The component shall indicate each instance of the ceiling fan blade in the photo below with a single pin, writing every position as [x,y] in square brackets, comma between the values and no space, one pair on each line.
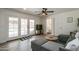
[39,14]
[50,11]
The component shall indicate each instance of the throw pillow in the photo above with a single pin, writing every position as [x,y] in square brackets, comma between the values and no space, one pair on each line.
[73,45]
[70,39]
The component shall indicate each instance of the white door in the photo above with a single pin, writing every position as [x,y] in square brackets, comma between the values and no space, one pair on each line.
[31,26]
[24,26]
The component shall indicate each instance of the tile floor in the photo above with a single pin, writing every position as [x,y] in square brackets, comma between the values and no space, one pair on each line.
[18,45]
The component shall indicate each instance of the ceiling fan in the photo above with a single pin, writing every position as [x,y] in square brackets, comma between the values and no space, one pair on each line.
[45,12]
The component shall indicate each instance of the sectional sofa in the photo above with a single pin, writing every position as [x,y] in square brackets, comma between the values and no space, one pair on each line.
[55,45]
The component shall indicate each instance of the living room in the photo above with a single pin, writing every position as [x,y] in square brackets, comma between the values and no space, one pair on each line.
[20,24]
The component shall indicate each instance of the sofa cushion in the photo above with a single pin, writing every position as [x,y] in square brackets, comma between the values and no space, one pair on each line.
[63,38]
[39,41]
[36,44]
[70,39]
[63,49]
[52,46]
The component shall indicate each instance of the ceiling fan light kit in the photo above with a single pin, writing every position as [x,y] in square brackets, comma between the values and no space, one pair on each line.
[43,14]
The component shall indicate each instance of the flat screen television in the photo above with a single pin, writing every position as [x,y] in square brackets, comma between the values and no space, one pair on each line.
[38,27]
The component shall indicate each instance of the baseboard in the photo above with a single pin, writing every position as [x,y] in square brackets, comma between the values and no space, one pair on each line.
[7,41]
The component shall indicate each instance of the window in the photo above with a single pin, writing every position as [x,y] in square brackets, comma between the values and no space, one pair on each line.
[31,27]
[13,26]
[23,26]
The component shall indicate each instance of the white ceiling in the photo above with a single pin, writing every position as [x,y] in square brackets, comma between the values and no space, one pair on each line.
[36,11]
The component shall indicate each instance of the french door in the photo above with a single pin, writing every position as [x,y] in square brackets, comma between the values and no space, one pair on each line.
[24,26]
[49,25]
[31,26]
[21,27]
[27,26]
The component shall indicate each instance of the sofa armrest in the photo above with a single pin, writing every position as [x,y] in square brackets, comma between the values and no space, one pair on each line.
[63,49]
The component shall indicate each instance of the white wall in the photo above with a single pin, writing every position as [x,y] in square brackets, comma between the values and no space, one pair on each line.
[43,21]
[60,25]
[4,14]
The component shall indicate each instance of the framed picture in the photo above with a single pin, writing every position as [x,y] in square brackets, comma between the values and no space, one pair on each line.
[69,19]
